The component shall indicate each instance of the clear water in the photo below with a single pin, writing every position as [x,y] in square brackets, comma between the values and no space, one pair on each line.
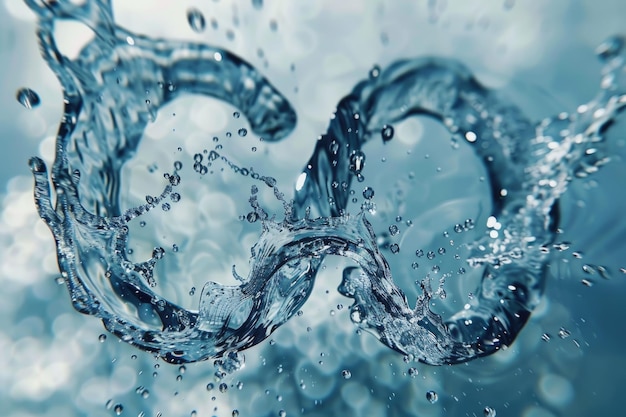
[506,247]
[529,166]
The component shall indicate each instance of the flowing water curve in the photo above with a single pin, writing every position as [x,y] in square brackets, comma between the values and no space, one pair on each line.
[529,167]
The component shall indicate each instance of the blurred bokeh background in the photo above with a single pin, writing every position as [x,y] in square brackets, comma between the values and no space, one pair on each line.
[569,359]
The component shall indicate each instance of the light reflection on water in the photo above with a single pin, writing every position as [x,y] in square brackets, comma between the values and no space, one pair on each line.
[55,356]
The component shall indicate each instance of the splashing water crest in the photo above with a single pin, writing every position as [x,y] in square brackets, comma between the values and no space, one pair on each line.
[529,167]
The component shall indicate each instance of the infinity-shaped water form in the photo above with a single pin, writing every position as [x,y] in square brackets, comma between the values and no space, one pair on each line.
[529,167]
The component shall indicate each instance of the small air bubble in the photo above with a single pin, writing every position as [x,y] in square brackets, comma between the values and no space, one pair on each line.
[118,408]
[430,255]
[223,387]
[346,374]
[394,230]
[395,248]
[102,338]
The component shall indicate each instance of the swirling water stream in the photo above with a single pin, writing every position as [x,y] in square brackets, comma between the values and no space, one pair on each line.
[528,165]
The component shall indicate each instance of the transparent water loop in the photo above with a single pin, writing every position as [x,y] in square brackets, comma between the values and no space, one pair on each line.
[106,111]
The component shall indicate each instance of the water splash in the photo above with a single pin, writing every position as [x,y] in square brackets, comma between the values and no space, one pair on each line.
[106,111]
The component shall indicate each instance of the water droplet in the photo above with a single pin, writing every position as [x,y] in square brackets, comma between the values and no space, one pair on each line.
[118,408]
[282,413]
[395,248]
[158,253]
[357,162]
[610,48]
[242,132]
[419,253]
[508,4]
[210,386]
[196,20]
[223,387]
[235,413]
[28,98]
[393,229]
[175,197]
[564,333]
[368,193]
[102,338]
[430,255]
[489,412]
[346,374]
[178,165]
[413,372]
[387,133]
[374,72]
[432,397]
[415,265]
